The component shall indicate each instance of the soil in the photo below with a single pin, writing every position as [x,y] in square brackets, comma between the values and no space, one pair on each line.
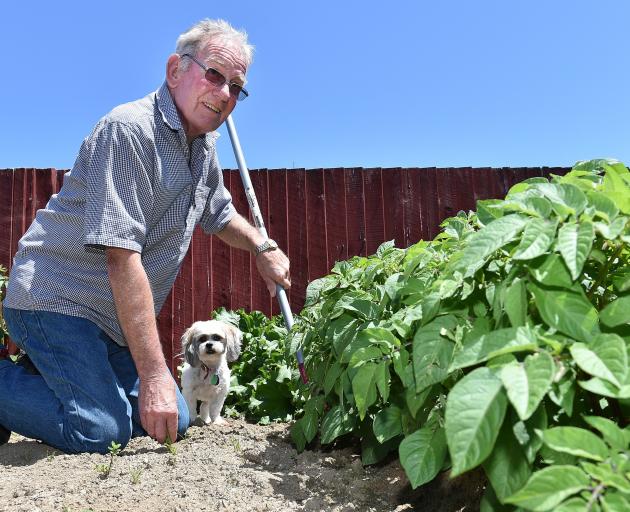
[234,467]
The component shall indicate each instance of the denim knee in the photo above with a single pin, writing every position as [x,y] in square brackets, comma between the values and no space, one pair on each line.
[97,434]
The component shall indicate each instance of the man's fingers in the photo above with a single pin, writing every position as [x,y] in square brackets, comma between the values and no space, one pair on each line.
[171,425]
[160,431]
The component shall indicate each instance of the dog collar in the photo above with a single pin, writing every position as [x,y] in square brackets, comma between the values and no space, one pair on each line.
[214,380]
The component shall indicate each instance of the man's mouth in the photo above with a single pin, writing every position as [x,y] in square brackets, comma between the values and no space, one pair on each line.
[212,107]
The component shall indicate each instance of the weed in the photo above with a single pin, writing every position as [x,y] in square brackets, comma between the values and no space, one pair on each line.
[106,469]
[135,475]
[172,450]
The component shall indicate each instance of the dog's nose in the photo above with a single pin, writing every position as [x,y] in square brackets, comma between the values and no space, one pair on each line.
[209,348]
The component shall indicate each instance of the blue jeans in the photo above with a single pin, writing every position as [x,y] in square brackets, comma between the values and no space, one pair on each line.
[87,393]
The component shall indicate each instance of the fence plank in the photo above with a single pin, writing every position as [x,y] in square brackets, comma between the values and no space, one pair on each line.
[6,217]
[278,222]
[373,209]
[355,212]
[429,203]
[412,209]
[297,243]
[241,265]
[201,248]
[316,224]
[394,192]
[336,227]
[261,300]
[221,266]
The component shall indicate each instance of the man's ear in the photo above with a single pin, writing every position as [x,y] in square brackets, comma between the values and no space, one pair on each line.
[173,70]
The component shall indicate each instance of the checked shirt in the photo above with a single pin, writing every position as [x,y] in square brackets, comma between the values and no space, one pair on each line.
[136,184]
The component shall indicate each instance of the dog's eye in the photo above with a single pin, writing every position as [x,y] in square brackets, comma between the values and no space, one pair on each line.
[203,338]
[216,337]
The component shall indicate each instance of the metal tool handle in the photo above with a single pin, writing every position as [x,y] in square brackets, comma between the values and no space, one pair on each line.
[258,222]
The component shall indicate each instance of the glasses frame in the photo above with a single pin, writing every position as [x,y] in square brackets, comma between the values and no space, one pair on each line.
[242,92]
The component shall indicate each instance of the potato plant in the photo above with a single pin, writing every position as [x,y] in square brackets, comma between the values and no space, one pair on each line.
[265,383]
[502,343]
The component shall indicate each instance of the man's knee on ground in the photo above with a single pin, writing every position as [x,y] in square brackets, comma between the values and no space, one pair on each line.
[97,437]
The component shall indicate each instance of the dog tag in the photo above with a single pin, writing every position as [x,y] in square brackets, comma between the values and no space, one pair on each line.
[214,380]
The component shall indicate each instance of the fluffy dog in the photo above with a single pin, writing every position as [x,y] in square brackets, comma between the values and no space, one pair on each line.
[208,347]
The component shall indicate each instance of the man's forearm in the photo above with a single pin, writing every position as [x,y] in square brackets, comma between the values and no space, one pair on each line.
[135,309]
[241,234]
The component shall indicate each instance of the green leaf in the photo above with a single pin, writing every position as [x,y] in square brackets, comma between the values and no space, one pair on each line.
[382,379]
[507,467]
[364,388]
[605,388]
[572,505]
[615,503]
[482,244]
[422,455]
[387,423]
[604,206]
[567,311]
[493,344]
[606,475]
[432,352]
[527,383]
[613,435]
[606,357]
[549,487]
[309,423]
[575,241]
[332,375]
[475,409]
[536,240]
[565,199]
[617,312]
[575,441]
[337,422]
[552,272]
[363,355]
[515,303]
[621,280]
[616,189]
[415,400]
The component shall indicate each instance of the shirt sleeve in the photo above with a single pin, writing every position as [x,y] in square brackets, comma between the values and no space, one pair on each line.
[119,195]
[219,209]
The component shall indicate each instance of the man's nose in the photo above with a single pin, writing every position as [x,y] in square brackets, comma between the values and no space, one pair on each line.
[222,91]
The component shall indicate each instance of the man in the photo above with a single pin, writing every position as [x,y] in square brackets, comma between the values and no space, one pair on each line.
[93,270]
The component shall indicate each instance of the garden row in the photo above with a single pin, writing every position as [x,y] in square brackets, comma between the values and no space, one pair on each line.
[502,343]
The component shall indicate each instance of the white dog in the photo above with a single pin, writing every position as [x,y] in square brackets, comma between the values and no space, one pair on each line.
[208,347]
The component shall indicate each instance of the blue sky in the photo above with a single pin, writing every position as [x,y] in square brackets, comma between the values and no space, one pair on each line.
[338,83]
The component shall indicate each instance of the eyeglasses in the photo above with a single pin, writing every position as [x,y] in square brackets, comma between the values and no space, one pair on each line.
[217,79]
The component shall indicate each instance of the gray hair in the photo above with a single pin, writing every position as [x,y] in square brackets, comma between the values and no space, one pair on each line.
[200,33]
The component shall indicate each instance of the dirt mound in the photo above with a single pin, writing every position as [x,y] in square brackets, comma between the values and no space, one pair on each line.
[235,467]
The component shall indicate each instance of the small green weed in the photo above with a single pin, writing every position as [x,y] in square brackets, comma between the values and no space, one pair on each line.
[105,469]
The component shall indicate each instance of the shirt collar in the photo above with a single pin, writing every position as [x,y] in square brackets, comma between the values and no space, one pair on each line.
[170,116]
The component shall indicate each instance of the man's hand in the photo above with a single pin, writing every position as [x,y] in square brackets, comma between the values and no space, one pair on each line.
[274,269]
[157,402]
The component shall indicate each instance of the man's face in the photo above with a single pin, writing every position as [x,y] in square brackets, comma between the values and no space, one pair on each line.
[203,106]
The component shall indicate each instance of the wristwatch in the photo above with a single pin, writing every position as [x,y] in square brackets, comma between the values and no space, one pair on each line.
[267,245]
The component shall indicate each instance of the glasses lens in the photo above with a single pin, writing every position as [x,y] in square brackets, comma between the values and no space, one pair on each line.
[238,91]
[214,77]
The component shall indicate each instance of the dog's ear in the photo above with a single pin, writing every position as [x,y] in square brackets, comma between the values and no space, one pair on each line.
[234,337]
[189,348]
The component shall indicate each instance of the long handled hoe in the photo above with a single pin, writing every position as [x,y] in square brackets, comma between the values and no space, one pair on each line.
[258,222]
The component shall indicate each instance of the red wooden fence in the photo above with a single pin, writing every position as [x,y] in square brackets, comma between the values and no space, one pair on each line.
[318,216]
